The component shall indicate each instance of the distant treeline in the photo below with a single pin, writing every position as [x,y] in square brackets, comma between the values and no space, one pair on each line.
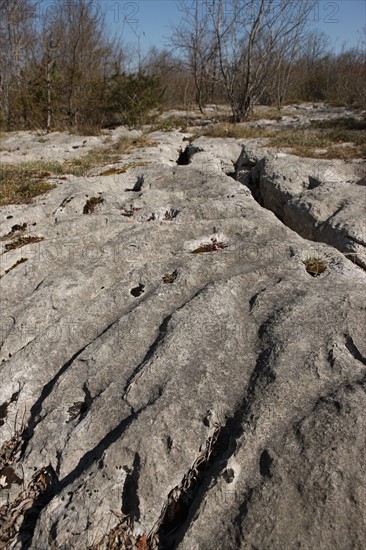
[62,68]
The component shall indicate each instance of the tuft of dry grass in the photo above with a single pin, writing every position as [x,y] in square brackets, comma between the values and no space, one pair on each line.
[210,247]
[22,241]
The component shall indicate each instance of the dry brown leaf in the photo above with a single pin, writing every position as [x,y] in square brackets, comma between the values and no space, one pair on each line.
[42,479]
[142,543]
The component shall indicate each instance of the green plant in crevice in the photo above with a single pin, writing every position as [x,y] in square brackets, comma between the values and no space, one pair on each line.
[314,266]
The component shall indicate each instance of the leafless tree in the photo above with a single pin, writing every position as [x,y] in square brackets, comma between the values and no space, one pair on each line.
[239,43]
[194,35]
[315,47]
[255,36]
[77,53]
[16,40]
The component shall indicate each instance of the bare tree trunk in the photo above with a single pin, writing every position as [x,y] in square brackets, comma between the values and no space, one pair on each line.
[50,64]
[194,37]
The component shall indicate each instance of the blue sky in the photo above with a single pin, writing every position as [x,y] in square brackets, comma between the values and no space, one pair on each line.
[343,20]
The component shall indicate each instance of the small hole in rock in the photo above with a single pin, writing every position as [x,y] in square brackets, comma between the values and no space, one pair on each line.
[184,157]
[228,475]
[265,463]
[137,290]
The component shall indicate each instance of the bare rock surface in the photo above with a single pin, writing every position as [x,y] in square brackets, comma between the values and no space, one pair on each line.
[172,376]
[322,200]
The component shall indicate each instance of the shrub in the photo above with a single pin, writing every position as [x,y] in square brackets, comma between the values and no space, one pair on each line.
[131,97]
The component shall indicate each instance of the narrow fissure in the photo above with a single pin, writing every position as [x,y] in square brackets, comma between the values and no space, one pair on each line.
[184,500]
[250,176]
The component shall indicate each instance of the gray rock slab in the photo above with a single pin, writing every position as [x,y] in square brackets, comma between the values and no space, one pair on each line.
[168,357]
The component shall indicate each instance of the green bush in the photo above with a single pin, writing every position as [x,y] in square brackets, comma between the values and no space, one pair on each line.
[315,88]
[132,96]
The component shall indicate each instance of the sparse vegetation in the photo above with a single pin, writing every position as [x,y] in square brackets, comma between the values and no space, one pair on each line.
[341,123]
[101,156]
[237,131]
[315,266]
[269,113]
[20,183]
[170,123]
[341,138]
[322,143]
